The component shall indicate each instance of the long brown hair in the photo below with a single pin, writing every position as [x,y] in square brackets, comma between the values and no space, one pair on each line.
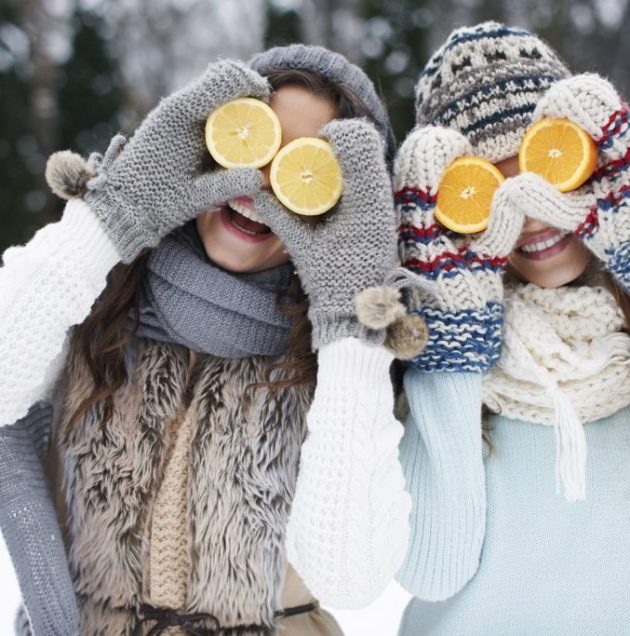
[102,338]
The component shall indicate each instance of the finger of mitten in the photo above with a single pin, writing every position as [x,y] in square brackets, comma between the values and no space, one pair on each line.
[219,186]
[418,169]
[591,102]
[358,146]
[286,225]
[221,82]
[367,188]
[424,156]
[504,228]
[539,200]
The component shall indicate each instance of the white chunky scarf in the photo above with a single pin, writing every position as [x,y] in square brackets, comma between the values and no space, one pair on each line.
[564,362]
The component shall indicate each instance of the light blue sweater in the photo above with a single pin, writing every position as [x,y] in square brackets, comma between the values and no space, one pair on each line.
[493,546]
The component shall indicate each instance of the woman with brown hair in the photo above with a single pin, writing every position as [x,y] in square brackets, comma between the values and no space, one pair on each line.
[171,415]
[529,534]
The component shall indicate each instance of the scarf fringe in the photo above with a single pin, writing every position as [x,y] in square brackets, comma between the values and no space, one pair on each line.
[571,450]
[565,350]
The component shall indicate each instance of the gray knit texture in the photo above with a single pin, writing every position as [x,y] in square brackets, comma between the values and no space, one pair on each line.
[31,529]
[485,82]
[189,300]
[155,183]
[351,249]
[336,69]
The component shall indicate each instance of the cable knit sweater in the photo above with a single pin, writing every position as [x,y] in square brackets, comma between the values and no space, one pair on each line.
[349,523]
[494,549]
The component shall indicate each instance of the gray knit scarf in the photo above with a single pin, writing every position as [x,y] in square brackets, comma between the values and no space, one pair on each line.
[188,300]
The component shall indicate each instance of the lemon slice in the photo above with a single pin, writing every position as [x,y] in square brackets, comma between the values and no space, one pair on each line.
[306,177]
[559,151]
[465,194]
[244,132]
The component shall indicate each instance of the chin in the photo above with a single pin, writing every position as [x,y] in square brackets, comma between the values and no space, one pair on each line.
[235,252]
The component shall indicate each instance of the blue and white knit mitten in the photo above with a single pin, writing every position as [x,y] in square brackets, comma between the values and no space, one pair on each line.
[598,212]
[465,316]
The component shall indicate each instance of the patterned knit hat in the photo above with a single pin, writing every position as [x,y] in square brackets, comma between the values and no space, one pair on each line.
[485,82]
[335,68]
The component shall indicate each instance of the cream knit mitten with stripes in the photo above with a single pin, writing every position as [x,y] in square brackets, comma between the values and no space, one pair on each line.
[465,317]
[598,212]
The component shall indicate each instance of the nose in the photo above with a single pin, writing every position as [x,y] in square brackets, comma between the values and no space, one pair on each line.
[533,225]
[266,172]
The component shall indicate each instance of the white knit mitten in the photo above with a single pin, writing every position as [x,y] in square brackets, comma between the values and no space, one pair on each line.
[465,317]
[598,211]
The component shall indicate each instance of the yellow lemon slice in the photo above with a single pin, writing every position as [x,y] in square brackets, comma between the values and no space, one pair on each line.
[465,194]
[559,151]
[306,177]
[243,132]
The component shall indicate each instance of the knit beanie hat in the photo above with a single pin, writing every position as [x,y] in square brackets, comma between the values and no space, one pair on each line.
[485,82]
[335,68]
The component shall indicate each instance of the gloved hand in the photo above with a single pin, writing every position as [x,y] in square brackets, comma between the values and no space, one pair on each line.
[352,249]
[465,315]
[597,212]
[154,184]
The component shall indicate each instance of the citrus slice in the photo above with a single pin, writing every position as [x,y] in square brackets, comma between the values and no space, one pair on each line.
[306,177]
[465,194]
[243,132]
[559,151]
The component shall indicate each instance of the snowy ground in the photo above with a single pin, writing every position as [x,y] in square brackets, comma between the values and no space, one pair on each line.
[379,619]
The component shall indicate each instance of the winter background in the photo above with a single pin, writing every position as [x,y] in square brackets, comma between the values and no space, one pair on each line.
[74,72]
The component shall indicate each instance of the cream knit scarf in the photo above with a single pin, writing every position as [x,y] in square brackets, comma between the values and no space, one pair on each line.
[564,362]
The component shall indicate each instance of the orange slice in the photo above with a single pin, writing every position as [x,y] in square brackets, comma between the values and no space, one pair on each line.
[306,177]
[559,151]
[465,194]
[243,132]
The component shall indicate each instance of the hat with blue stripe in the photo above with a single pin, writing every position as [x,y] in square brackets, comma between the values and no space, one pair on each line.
[484,82]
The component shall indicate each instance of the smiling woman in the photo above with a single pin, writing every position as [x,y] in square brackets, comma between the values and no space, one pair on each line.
[529,534]
[173,366]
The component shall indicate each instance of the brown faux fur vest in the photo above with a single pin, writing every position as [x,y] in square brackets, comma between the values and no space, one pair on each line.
[242,473]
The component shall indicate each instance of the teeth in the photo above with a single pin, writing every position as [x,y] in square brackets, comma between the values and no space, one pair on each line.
[542,245]
[245,211]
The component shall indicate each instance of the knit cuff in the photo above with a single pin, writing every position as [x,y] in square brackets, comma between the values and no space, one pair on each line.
[120,224]
[349,361]
[330,325]
[467,340]
[91,238]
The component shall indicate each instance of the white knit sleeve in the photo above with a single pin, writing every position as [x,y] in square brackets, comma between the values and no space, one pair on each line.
[46,286]
[349,523]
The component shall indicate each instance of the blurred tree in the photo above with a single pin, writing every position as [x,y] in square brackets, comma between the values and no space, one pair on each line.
[88,87]
[284,24]
[163,45]
[20,196]
[60,94]
[395,48]
[335,24]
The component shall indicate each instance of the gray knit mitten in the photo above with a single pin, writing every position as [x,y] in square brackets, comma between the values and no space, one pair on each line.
[465,314]
[31,529]
[154,185]
[352,249]
[597,212]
